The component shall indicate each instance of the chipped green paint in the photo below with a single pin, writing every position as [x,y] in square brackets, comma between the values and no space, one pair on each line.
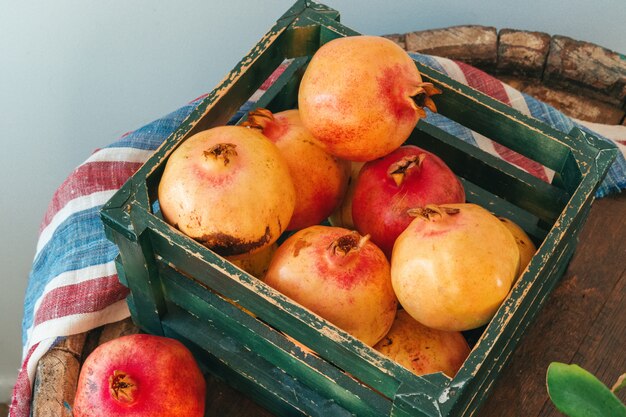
[182,289]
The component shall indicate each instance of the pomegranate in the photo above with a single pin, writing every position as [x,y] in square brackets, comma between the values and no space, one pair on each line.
[339,275]
[361,96]
[453,266]
[140,375]
[527,248]
[387,187]
[423,350]
[255,263]
[342,216]
[229,188]
[320,179]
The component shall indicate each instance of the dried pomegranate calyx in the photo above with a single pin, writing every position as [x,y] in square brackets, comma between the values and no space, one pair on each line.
[122,387]
[258,119]
[223,151]
[348,242]
[431,211]
[421,98]
[398,170]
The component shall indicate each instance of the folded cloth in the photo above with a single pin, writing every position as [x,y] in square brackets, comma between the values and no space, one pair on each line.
[73,285]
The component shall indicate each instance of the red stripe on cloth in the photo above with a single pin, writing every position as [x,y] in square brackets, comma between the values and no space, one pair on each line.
[492,87]
[87,179]
[200,97]
[84,297]
[273,76]
[22,393]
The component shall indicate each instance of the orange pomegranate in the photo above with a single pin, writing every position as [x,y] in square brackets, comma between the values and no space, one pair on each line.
[339,275]
[361,97]
[525,244]
[342,216]
[320,179]
[423,350]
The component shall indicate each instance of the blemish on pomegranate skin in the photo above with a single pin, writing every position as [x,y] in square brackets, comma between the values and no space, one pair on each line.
[432,233]
[390,91]
[299,245]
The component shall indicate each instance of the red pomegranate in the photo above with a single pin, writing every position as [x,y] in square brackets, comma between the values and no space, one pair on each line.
[388,187]
[140,375]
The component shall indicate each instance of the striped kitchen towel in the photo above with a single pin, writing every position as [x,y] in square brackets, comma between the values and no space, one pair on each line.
[73,285]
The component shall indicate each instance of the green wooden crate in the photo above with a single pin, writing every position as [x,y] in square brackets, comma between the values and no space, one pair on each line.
[181,289]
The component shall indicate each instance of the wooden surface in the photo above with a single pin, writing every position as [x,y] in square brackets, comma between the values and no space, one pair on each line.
[582,322]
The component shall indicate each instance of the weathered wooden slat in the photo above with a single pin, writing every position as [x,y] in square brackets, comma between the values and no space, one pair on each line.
[140,274]
[584,80]
[495,175]
[250,333]
[497,121]
[398,38]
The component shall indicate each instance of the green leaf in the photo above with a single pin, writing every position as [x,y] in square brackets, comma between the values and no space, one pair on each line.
[577,393]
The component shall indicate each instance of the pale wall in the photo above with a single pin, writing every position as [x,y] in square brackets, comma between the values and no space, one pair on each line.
[75,75]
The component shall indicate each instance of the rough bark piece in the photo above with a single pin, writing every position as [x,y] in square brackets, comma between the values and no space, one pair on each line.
[522,52]
[398,38]
[56,378]
[475,45]
[570,103]
[114,330]
[582,64]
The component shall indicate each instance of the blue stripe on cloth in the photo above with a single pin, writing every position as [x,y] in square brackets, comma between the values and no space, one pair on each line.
[428,61]
[77,243]
[450,126]
[150,136]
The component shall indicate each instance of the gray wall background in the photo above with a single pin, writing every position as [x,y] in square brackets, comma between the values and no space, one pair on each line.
[75,75]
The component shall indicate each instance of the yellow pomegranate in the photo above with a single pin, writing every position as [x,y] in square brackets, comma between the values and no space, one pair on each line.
[453,266]
[423,350]
[229,188]
[256,263]
[527,248]
[361,97]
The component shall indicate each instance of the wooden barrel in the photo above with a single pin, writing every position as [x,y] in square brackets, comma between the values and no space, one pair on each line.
[583,80]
